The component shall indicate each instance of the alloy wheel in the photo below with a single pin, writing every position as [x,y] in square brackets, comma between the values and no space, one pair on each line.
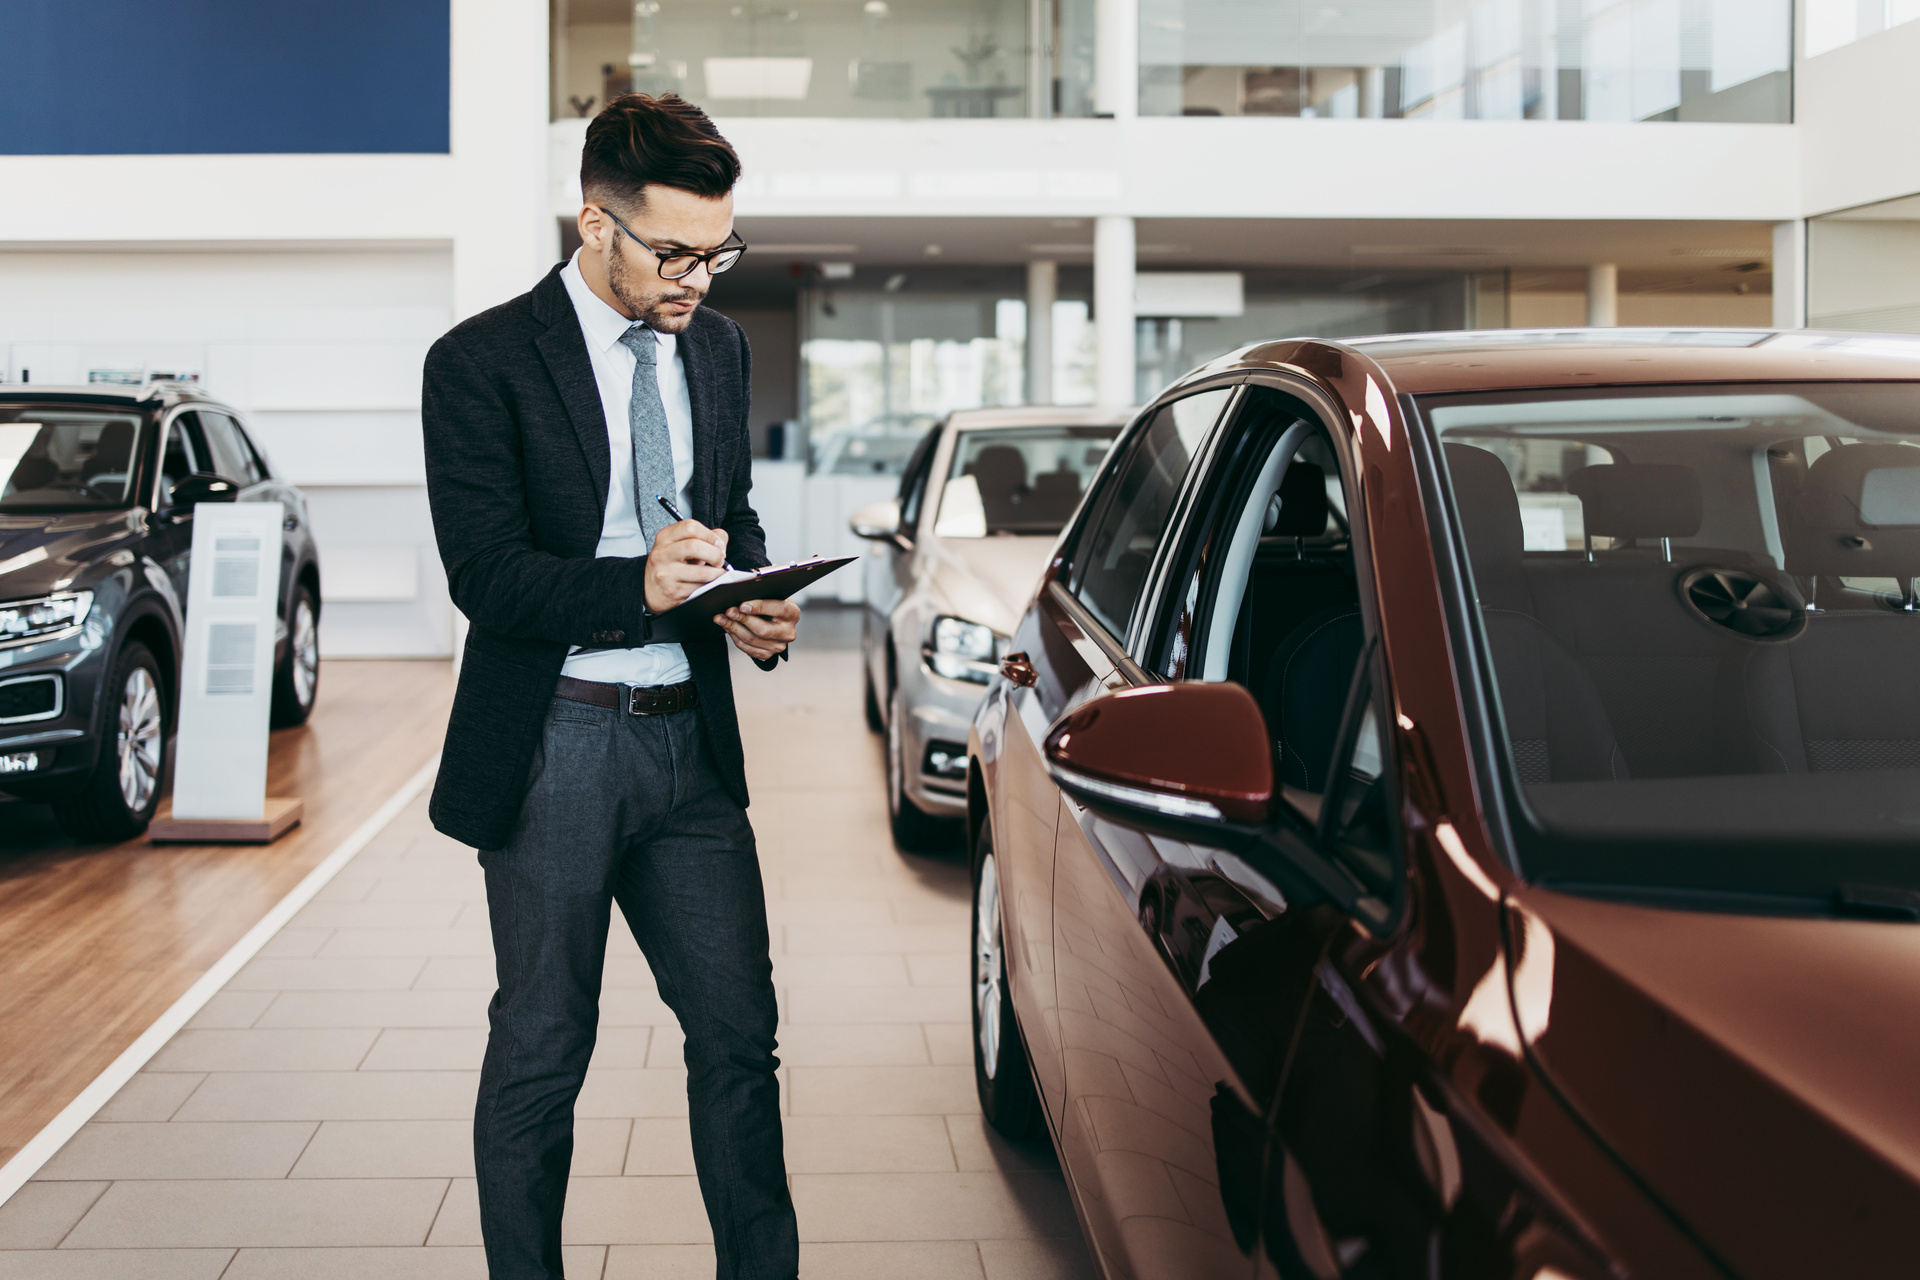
[306,652]
[986,965]
[138,741]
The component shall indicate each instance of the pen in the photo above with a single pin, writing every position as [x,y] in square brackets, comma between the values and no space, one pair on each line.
[674,511]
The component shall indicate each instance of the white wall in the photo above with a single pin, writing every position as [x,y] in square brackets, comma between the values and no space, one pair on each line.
[320,350]
[1858,116]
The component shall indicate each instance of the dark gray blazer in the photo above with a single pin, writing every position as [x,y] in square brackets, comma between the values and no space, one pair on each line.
[517,473]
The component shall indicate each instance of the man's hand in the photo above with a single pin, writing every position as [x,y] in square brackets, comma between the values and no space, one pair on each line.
[685,555]
[761,628]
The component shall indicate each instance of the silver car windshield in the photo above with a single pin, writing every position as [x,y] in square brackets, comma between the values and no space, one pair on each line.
[1699,606]
[1019,480]
[66,457]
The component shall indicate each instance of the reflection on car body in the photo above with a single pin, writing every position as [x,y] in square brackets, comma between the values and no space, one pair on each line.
[1436,791]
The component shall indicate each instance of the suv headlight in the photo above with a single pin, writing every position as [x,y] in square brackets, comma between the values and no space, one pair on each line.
[29,619]
[962,650]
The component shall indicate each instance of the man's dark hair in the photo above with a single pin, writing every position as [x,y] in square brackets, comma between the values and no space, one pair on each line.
[641,139]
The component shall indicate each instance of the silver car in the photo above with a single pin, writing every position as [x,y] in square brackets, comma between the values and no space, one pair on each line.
[952,566]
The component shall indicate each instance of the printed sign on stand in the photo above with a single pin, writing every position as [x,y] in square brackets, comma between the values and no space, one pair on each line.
[226,681]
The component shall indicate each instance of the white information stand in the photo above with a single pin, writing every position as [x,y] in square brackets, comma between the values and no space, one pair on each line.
[226,681]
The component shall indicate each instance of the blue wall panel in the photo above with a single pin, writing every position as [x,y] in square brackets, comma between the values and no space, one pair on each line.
[171,77]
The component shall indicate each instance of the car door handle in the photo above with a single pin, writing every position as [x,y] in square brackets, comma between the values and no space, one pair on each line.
[1018,670]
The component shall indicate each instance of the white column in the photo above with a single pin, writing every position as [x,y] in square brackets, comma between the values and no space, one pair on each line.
[1113,255]
[1373,92]
[1043,286]
[1603,295]
[504,235]
[1116,59]
[1790,274]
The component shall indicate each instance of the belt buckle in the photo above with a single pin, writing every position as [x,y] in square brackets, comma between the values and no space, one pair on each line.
[633,700]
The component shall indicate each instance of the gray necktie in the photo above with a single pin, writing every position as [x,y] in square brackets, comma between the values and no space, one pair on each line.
[652,445]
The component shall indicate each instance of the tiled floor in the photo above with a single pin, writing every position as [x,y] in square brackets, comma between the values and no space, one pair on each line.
[313,1121]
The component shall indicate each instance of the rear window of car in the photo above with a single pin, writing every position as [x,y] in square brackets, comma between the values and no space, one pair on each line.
[1698,606]
[65,457]
[1019,480]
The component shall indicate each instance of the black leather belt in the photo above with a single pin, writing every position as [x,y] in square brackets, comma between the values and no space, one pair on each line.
[634,699]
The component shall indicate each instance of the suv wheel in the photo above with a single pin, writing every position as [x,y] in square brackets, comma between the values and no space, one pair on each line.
[296,680]
[118,799]
[1000,1073]
[912,828]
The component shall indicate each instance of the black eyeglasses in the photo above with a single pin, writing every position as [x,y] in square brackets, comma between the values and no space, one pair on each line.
[677,264]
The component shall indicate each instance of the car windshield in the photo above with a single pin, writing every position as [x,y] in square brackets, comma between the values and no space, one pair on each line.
[64,457]
[1698,606]
[1019,480]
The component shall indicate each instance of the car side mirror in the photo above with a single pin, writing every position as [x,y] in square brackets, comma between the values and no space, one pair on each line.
[1190,759]
[190,491]
[877,521]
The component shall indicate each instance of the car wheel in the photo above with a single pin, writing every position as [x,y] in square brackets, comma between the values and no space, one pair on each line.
[1000,1073]
[296,681]
[118,798]
[912,828]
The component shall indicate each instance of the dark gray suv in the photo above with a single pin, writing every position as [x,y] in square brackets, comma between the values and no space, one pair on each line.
[96,530]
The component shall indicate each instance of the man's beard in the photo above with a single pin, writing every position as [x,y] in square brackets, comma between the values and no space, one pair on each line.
[650,308]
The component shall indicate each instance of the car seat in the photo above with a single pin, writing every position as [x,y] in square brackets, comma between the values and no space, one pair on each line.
[1844,693]
[1001,472]
[1557,725]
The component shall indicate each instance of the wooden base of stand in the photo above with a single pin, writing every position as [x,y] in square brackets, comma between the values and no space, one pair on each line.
[281,816]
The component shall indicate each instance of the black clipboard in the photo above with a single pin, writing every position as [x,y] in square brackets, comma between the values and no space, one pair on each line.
[775,582]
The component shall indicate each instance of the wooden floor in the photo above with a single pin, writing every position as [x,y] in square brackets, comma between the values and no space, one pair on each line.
[96,941]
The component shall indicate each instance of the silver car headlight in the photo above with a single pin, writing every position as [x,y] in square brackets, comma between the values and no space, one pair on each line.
[963,650]
[31,619]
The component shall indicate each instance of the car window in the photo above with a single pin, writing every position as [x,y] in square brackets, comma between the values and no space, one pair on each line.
[230,457]
[1268,596]
[1117,546]
[1019,480]
[55,456]
[1711,682]
[184,454]
[913,481]
[257,460]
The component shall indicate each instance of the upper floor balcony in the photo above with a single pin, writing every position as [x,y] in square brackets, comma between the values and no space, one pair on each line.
[1597,60]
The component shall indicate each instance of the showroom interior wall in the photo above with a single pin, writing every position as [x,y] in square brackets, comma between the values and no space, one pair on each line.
[309,198]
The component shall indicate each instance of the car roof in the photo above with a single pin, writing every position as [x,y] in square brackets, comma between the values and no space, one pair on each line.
[1039,416]
[1515,359]
[164,394]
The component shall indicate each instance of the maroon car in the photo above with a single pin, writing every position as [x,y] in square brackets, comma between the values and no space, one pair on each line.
[1453,809]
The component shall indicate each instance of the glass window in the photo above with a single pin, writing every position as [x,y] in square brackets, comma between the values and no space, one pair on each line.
[184,454]
[1721,697]
[66,456]
[1019,480]
[1116,548]
[1622,60]
[230,457]
[256,460]
[913,485]
[965,59]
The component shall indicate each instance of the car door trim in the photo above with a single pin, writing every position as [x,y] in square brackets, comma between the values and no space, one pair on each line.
[1112,650]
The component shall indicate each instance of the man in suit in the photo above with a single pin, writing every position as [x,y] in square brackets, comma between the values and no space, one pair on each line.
[587,765]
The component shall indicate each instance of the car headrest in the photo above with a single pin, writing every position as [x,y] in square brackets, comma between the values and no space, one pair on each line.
[1490,520]
[1638,499]
[113,451]
[1860,513]
[1000,469]
[1302,509]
